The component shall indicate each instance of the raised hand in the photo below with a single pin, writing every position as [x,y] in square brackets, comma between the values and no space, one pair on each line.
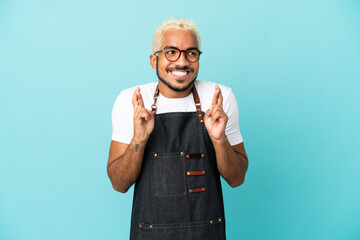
[144,119]
[215,118]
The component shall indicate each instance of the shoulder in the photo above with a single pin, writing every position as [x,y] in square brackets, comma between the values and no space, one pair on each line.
[147,92]
[145,89]
[206,90]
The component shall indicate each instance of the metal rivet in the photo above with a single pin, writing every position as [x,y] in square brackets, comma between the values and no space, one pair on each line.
[190,191]
[155,154]
[201,121]
[139,225]
[188,173]
[202,155]
[182,153]
[211,222]
[219,219]
[203,172]
[150,226]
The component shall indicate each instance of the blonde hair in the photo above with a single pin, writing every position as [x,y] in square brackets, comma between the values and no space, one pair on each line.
[174,23]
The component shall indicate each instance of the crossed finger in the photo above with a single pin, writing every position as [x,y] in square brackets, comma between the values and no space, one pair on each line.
[137,99]
[217,98]
[138,105]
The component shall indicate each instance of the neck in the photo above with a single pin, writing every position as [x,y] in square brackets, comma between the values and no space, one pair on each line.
[169,93]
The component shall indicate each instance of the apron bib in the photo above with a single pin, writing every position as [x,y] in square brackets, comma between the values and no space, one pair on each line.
[178,193]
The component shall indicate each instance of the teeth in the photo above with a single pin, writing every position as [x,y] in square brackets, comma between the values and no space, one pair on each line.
[179,73]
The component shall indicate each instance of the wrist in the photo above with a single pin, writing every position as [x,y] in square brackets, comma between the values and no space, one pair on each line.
[220,141]
[142,139]
[138,144]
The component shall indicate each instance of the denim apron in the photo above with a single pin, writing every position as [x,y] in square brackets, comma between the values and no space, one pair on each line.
[178,193]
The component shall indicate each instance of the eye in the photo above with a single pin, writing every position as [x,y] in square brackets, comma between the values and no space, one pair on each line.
[171,52]
[193,53]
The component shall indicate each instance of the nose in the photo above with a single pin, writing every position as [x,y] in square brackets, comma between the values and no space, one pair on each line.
[182,59]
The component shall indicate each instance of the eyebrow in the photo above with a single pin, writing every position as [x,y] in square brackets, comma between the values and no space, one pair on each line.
[179,49]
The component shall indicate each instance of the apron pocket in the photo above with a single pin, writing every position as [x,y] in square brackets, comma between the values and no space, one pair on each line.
[217,229]
[171,234]
[144,233]
[208,229]
[169,174]
[196,232]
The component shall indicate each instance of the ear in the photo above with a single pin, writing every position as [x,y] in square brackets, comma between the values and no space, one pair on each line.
[153,60]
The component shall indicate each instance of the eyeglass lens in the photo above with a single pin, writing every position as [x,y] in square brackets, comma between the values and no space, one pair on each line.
[173,54]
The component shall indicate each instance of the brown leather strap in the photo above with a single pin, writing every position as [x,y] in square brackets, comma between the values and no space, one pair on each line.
[196,100]
[195,173]
[195,190]
[195,155]
[156,95]
[197,104]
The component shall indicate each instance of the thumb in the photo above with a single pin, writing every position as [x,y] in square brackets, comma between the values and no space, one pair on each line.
[207,114]
[151,115]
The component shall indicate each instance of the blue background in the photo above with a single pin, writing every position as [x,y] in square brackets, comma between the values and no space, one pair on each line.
[293,66]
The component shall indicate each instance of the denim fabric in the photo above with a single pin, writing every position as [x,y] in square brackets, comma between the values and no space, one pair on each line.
[163,208]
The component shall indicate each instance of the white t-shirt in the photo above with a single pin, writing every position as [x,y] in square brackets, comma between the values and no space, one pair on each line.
[123,112]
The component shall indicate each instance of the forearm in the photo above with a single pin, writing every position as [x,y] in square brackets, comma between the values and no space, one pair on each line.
[124,170]
[231,165]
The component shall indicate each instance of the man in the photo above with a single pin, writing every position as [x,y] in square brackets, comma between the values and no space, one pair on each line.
[173,152]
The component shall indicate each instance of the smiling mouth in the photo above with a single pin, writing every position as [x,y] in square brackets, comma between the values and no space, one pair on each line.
[179,74]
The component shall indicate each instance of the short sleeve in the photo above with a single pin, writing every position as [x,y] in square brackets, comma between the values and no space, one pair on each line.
[232,130]
[122,115]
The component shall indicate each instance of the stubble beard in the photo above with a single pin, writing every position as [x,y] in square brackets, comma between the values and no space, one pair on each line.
[176,89]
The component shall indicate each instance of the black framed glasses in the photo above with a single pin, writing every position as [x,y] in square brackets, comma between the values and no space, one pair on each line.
[173,54]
